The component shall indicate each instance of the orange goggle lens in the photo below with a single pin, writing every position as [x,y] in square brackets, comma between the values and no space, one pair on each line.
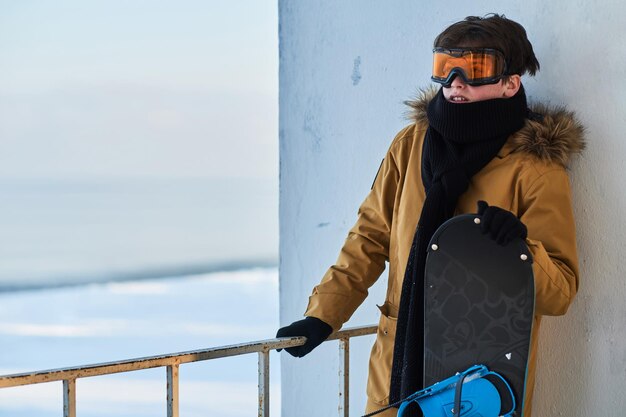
[475,66]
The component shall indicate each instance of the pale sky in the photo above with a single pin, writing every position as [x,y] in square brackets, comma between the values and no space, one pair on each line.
[138,88]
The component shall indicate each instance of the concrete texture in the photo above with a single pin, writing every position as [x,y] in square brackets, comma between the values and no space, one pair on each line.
[345,68]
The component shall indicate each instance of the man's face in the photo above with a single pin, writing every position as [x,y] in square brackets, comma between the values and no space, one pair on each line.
[460,92]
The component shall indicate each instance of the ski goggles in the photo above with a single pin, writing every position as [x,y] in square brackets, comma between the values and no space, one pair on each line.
[476,66]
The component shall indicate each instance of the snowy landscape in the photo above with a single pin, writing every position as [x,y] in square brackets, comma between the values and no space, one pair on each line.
[54,328]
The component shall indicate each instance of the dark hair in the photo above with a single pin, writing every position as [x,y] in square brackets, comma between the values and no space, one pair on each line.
[497,32]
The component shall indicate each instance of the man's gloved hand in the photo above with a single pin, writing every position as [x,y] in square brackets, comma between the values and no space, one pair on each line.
[314,329]
[500,224]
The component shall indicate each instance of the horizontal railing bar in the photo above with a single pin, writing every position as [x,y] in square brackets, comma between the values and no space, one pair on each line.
[352,332]
[149,362]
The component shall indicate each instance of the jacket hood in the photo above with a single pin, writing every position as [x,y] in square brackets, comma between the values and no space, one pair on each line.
[555,137]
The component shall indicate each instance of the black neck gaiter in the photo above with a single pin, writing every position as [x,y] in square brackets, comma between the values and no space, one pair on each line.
[461,139]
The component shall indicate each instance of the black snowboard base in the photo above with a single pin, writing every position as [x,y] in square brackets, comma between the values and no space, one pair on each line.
[478,305]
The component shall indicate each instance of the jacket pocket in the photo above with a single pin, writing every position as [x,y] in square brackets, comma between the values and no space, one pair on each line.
[381,357]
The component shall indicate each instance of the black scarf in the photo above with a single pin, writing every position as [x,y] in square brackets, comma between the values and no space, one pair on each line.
[461,139]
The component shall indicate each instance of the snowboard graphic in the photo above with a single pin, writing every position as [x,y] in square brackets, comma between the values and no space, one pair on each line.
[478,306]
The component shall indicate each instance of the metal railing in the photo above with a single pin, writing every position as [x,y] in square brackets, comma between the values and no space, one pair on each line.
[173,361]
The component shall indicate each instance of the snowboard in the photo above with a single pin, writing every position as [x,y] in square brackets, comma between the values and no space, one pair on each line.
[478,306]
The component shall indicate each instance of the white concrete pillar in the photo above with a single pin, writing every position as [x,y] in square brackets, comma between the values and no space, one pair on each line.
[345,68]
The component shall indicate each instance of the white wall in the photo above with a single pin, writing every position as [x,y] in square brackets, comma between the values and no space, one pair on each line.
[345,68]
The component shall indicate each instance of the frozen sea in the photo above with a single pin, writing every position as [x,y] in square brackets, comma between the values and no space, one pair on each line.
[58,232]
[101,322]
[97,270]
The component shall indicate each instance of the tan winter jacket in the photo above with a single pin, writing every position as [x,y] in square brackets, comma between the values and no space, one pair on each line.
[528,177]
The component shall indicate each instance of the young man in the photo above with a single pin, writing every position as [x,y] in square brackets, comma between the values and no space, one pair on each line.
[474,146]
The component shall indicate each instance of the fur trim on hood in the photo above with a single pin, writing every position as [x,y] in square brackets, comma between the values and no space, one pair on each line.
[556,138]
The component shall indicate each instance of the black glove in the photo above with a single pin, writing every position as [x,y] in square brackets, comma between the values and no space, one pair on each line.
[502,225]
[314,329]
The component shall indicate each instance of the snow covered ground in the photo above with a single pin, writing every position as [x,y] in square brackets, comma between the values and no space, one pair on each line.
[62,327]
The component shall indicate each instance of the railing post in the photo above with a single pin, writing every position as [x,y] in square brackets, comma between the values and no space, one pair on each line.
[172,390]
[344,377]
[69,398]
[264,383]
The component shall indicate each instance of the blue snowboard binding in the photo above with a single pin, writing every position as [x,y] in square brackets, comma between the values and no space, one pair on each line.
[467,394]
